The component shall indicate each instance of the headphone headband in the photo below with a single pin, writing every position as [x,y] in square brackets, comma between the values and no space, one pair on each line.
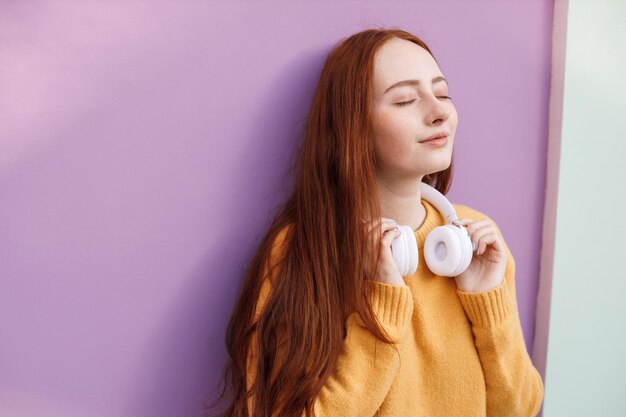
[441,203]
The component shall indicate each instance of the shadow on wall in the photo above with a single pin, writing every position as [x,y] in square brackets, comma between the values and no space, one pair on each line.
[186,359]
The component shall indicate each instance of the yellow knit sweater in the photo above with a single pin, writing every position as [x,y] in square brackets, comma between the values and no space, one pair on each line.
[461,354]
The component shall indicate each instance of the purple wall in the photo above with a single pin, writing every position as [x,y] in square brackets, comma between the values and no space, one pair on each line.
[142,150]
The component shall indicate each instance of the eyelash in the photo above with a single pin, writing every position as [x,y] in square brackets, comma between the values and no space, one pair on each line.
[404,103]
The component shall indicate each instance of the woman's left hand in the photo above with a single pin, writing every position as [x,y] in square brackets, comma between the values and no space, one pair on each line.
[486,270]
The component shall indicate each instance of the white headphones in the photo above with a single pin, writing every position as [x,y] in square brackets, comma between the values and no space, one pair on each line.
[447,248]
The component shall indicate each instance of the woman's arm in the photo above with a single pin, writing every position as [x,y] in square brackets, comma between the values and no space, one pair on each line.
[514,386]
[366,366]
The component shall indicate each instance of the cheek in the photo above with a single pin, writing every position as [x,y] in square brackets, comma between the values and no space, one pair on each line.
[391,137]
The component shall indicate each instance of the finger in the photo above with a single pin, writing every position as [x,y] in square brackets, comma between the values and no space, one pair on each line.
[458,221]
[484,242]
[387,224]
[479,229]
[472,224]
[470,227]
[382,221]
[492,239]
[468,220]
[496,242]
[377,233]
[477,235]
[390,236]
[462,220]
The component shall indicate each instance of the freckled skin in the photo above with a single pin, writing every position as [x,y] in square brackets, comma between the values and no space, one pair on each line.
[399,128]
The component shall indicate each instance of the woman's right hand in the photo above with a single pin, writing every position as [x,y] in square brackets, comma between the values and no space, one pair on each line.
[388,271]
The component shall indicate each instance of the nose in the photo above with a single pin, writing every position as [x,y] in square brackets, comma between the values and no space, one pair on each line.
[438,110]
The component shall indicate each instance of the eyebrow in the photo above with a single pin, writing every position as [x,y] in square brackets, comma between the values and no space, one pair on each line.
[414,82]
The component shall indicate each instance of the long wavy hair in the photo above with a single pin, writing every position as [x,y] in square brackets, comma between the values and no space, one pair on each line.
[324,261]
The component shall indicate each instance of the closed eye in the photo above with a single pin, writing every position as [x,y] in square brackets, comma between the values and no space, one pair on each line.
[404,103]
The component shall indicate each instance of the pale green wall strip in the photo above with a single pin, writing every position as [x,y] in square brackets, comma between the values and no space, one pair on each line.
[557,76]
[585,373]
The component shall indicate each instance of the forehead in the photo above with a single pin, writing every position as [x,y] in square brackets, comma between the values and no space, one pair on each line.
[399,59]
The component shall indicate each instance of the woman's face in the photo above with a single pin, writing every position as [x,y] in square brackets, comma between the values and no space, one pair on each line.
[408,113]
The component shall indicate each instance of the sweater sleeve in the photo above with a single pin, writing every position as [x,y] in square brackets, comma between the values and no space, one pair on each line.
[366,366]
[514,386]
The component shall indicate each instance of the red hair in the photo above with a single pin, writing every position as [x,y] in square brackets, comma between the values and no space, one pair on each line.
[322,267]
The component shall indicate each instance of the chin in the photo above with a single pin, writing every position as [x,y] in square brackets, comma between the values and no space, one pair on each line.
[438,166]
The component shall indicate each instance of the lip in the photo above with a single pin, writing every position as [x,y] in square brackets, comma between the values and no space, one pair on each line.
[435,136]
[439,142]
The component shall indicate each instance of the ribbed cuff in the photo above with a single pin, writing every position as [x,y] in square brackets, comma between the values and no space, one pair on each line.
[393,306]
[488,308]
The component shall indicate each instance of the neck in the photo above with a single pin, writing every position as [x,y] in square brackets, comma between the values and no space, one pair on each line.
[401,201]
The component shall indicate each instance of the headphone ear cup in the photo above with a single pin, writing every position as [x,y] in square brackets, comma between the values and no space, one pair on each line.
[404,251]
[467,251]
[448,250]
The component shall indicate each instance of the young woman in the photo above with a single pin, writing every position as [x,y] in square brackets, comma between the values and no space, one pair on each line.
[325,322]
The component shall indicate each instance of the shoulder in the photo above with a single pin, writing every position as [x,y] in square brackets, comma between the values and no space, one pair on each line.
[463,211]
